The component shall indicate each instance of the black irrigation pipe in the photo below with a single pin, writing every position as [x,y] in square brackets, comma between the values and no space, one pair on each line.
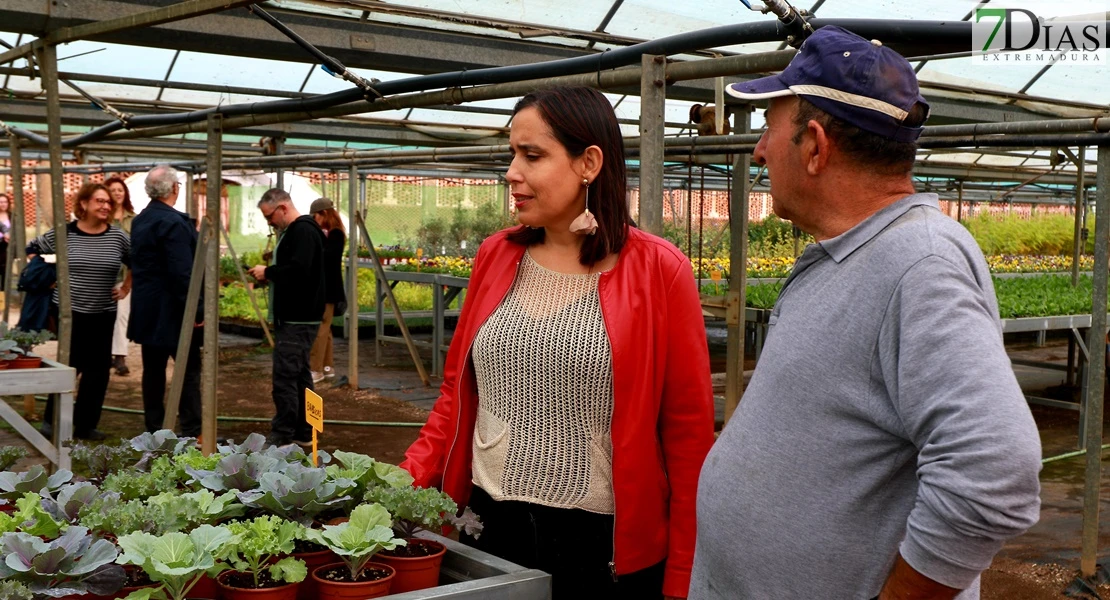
[910,36]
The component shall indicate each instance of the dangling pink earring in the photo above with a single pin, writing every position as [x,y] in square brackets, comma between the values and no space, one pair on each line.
[585,223]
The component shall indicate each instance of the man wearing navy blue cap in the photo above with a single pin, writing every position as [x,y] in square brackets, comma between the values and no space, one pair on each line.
[883,448]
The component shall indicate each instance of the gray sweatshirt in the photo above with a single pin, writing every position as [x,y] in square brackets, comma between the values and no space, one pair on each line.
[883,417]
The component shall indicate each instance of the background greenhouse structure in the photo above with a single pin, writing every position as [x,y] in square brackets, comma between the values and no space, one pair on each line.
[412,137]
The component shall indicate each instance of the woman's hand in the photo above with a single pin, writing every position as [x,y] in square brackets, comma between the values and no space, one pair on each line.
[121,292]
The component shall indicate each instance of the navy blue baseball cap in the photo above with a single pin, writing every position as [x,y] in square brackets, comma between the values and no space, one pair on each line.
[855,80]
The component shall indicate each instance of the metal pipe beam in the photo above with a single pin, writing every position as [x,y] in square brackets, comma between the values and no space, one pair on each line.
[159,83]
[625,77]
[210,357]
[653,105]
[1096,372]
[174,12]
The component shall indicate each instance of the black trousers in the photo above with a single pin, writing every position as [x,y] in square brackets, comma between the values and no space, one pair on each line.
[574,546]
[292,345]
[155,359]
[90,354]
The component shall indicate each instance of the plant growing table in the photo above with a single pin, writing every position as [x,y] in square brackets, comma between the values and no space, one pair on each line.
[51,378]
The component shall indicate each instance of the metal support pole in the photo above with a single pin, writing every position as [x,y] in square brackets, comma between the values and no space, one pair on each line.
[960,204]
[188,319]
[1096,373]
[653,102]
[352,283]
[17,243]
[191,196]
[48,61]
[279,149]
[208,371]
[1080,205]
[738,275]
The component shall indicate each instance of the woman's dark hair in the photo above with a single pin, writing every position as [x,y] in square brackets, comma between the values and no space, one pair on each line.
[85,194]
[126,193]
[580,117]
[5,196]
[331,220]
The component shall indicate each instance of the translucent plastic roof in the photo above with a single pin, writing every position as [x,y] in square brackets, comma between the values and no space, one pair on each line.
[574,23]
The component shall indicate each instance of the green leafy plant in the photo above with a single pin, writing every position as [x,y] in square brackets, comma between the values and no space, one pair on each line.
[176,560]
[14,485]
[365,472]
[75,563]
[111,514]
[261,539]
[27,340]
[133,484]
[9,455]
[14,590]
[298,494]
[30,517]
[414,509]
[368,531]
[100,460]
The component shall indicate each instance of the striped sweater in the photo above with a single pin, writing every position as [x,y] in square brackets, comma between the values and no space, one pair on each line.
[94,262]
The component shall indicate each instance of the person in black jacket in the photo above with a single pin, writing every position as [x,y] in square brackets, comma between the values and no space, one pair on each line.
[163,242]
[296,276]
[335,298]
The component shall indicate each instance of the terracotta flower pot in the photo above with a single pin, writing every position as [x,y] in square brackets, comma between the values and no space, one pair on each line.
[26,362]
[206,587]
[341,590]
[228,592]
[312,560]
[417,572]
[4,364]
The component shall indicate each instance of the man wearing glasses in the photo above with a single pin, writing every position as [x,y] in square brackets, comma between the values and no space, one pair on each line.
[163,242]
[296,276]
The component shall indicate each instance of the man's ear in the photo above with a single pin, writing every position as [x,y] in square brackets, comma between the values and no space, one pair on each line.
[592,160]
[816,145]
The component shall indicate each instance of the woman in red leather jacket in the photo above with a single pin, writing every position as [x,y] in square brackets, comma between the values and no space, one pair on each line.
[576,406]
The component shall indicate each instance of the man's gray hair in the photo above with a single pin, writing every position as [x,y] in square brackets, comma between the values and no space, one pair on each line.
[274,196]
[160,181]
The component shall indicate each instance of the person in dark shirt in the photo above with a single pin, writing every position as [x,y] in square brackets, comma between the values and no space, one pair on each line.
[296,277]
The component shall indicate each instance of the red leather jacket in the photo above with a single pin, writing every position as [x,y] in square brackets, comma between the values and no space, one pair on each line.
[662,424]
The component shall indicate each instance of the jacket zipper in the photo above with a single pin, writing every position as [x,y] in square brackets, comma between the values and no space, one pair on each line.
[613,391]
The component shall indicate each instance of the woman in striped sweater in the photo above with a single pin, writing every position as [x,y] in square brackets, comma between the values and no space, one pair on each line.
[95,249]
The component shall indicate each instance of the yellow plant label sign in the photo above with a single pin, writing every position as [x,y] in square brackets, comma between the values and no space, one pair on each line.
[419,253]
[715,275]
[314,410]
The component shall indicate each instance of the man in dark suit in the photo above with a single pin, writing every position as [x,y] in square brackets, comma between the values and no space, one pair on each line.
[163,242]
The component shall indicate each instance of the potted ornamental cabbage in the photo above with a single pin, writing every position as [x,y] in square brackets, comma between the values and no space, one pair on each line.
[413,509]
[355,541]
[258,572]
[176,561]
[74,564]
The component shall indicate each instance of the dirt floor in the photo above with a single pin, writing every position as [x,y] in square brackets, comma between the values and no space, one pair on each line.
[1042,564]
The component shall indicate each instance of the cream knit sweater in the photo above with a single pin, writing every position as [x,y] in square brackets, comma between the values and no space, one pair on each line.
[545,394]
